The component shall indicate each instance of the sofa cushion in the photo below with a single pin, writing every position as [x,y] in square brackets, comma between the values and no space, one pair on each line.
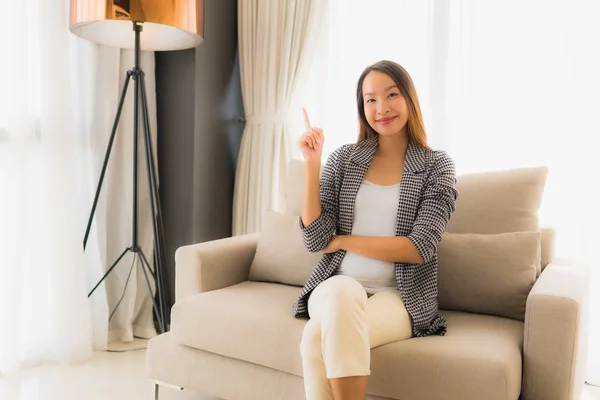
[498,201]
[478,358]
[488,274]
[250,321]
[253,322]
[280,253]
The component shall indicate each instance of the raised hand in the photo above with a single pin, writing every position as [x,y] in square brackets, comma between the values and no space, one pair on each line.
[311,141]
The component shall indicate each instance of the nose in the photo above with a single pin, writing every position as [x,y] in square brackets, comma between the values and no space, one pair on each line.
[382,107]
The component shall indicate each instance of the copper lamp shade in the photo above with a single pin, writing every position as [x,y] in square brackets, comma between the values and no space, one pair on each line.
[167,24]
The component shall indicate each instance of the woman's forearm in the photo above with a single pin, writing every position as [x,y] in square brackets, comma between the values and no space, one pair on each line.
[311,208]
[386,248]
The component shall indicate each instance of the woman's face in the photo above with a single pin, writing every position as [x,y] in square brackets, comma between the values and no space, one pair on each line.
[385,108]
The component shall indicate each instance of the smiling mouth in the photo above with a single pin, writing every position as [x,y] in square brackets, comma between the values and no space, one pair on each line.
[386,121]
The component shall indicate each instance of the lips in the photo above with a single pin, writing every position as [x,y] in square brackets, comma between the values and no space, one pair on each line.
[386,121]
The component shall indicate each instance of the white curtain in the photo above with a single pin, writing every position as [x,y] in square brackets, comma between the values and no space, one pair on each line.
[57,103]
[276,45]
[502,84]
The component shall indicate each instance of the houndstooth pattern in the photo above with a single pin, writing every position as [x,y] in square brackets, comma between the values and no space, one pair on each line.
[427,201]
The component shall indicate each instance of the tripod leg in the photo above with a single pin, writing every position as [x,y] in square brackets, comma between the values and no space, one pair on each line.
[145,265]
[153,169]
[150,176]
[155,204]
[106,158]
[108,272]
[124,289]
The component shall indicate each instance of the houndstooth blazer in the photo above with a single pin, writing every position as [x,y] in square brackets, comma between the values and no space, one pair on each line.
[427,201]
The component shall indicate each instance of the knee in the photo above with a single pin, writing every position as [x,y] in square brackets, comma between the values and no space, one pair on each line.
[344,291]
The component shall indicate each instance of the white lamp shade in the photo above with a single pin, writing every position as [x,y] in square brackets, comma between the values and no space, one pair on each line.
[167,24]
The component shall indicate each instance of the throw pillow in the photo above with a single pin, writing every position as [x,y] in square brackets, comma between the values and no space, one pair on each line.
[281,256]
[488,274]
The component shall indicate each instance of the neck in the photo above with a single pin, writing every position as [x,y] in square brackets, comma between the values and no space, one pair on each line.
[392,146]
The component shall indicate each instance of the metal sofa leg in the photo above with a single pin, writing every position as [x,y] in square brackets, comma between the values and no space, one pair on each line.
[158,384]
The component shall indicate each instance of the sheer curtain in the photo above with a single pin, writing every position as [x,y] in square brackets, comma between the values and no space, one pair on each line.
[502,84]
[57,103]
[277,41]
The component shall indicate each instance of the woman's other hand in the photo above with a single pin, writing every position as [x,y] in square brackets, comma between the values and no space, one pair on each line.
[335,244]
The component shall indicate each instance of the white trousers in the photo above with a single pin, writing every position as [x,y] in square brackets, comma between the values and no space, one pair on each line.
[344,326]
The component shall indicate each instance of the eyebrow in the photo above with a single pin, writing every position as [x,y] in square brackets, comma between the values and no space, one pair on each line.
[386,89]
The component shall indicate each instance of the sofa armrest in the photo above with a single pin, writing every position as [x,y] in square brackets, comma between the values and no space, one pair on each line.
[213,265]
[555,337]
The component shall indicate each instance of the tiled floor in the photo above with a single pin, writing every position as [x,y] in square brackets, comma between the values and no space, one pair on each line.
[112,376]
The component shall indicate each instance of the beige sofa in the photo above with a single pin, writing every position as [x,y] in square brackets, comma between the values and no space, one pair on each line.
[515,316]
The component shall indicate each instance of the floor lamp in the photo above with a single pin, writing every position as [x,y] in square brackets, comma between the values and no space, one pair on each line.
[140,25]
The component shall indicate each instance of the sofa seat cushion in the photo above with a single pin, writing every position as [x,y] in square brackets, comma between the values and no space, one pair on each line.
[250,321]
[479,357]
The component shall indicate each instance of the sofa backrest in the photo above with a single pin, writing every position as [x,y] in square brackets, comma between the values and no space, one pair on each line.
[488,203]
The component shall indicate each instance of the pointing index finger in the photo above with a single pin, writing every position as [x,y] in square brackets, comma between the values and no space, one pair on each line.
[306,119]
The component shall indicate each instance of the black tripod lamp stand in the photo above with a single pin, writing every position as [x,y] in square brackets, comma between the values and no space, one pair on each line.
[140,25]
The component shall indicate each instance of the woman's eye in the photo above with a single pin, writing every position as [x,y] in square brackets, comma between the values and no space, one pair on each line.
[393,94]
[370,100]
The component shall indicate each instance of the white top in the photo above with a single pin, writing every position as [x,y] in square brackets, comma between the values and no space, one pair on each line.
[375,213]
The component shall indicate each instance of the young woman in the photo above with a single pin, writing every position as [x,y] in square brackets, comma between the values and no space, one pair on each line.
[377,213]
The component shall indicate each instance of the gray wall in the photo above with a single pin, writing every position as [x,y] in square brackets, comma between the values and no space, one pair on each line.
[198,103]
